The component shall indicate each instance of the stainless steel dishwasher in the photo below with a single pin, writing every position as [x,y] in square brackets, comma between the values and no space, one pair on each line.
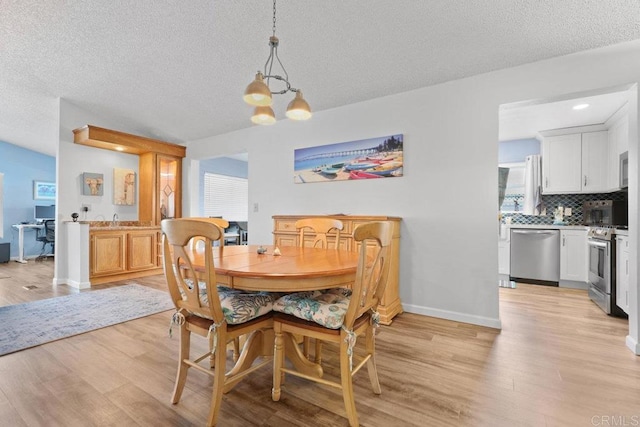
[535,256]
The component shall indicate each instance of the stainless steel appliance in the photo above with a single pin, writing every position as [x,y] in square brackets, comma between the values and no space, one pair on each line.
[535,256]
[624,170]
[602,269]
[605,213]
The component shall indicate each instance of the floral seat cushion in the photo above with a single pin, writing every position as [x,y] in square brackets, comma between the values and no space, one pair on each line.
[326,308]
[239,306]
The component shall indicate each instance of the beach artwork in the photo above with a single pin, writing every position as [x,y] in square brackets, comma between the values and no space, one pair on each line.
[364,159]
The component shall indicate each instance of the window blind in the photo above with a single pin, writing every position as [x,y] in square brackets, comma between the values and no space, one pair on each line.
[226,196]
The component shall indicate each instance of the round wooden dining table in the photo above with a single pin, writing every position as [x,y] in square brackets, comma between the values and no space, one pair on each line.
[296,269]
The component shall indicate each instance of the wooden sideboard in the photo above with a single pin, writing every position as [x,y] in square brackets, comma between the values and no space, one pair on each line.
[285,234]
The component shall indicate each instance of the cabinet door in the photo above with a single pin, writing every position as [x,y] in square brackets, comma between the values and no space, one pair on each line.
[504,249]
[622,273]
[618,139]
[141,250]
[562,164]
[595,162]
[107,254]
[573,255]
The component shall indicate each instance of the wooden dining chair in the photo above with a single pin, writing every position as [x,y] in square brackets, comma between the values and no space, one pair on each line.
[339,316]
[220,222]
[202,307]
[320,227]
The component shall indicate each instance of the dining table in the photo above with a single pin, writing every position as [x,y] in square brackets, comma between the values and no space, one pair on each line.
[286,269]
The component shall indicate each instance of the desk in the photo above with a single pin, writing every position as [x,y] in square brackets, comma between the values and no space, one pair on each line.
[21,228]
[297,269]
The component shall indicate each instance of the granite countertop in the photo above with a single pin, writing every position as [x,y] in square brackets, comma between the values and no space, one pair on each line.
[122,225]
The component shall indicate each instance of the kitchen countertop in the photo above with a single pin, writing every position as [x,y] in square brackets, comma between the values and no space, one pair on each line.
[549,226]
[622,232]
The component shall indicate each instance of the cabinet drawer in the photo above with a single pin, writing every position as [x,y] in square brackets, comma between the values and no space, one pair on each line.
[286,225]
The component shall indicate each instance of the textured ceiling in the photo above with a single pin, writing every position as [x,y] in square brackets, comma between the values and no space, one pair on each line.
[176,70]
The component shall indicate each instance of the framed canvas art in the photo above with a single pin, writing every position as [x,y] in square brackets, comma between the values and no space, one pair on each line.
[44,190]
[355,160]
[92,184]
[124,187]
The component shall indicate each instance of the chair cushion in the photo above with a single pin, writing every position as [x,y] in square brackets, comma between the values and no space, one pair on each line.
[239,306]
[326,308]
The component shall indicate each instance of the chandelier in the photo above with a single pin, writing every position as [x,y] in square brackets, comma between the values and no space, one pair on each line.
[258,93]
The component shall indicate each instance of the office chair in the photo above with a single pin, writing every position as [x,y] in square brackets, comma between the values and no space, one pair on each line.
[48,236]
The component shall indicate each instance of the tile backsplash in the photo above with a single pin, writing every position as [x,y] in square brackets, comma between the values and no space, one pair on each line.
[551,202]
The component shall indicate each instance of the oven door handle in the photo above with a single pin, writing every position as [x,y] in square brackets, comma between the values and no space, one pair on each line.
[534,231]
[597,244]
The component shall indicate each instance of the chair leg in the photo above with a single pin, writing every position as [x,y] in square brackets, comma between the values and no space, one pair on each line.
[236,349]
[347,386]
[370,342]
[278,361]
[183,368]
[318,354]
[218,385]
[306,346]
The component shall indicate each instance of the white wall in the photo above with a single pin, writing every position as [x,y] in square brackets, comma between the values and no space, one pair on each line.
[448,195]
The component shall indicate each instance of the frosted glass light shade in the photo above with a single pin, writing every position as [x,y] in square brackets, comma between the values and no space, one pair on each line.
[298,108]
[257,93]
[263,116]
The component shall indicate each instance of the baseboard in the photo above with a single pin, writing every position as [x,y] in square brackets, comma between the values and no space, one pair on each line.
[453,315]
[633,345]
[72,283]
[572,284]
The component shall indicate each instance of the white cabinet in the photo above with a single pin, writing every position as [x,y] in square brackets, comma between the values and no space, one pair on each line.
[618,134]
[573,163]
[595,152]
[561,164]
[622,273]
[504,248]
[573,255]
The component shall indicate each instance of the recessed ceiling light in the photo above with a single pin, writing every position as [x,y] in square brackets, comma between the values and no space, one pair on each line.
[580,106]
[122,149]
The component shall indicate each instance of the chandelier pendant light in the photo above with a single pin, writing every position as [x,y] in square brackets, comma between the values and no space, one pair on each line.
[259,93]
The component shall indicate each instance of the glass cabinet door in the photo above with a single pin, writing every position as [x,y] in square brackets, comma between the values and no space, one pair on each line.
[169,187]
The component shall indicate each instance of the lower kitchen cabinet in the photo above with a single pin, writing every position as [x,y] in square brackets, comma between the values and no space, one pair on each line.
[622,273]
[504,248]
[574,255]
[118,254]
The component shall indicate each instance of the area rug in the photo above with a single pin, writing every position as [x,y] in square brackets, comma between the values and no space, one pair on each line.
[35,323]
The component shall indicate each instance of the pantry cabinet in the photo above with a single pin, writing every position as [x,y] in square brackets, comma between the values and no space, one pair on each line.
[573,163]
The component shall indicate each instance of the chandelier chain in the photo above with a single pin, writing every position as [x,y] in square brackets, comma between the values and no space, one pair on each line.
[274,18]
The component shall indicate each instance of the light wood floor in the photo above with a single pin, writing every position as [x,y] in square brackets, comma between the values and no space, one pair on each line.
[558,361]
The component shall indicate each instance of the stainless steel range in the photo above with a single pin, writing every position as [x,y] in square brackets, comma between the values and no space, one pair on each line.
[602,269]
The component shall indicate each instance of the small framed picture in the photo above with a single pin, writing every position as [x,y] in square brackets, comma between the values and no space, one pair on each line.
[44,190]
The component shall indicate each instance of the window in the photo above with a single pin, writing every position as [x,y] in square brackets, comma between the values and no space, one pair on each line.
[226,196]
[514,191]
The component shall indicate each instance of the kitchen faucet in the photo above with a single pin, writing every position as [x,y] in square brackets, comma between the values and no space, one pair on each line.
[114,221]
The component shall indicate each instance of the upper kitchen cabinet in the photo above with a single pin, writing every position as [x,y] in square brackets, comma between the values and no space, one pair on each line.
[618,139]
[573,163]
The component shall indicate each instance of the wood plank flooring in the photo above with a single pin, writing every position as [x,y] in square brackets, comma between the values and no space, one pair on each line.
[558,361]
